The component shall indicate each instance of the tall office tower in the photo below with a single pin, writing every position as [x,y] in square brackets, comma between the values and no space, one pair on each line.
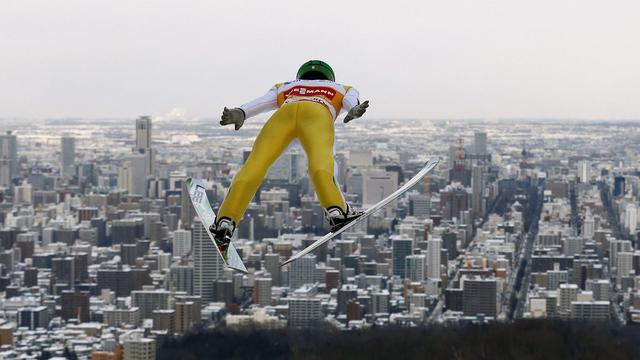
[184,315]
[401,247]
[207,263]
[584,171]
[433,252]
[181,242]
[262,291]
[567,293]
[272,265]
[63,270]
[187,212]
[302,271]
[454,199]
[181,278]
[9,152]
[138,347]
[450,243]
[419,205]
[143,143]
[415,267]
[5,172]
[556,277]
[377,185]
[619,188]
[624,264]
[132,174]
[304,311]
[479,296]
[75,305]
[477,191]
[631,218]
[480,143]
[618,246]
[588,226]
[67,157]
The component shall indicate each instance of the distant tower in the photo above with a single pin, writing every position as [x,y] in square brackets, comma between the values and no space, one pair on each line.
[433,262]
[143,142]
[9,155]
[67,157]
[480,144]
[207,264]
[459,172]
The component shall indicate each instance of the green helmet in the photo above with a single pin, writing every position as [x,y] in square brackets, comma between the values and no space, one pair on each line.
[316,70]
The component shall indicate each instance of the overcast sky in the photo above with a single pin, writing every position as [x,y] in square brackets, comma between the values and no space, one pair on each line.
[411,59]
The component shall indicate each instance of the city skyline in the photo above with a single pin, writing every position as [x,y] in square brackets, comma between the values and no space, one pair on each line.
[412,59]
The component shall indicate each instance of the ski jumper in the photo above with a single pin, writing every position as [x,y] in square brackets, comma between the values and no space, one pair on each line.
[307,110]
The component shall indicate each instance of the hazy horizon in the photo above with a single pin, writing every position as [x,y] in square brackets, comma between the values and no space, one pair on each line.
[411,59]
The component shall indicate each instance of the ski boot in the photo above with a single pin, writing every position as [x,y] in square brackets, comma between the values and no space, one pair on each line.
[338,218]
[222,231]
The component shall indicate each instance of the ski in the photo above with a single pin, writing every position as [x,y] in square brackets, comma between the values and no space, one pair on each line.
[203,208]
[428,167]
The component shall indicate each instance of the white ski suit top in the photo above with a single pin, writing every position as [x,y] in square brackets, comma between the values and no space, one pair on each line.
[334,96]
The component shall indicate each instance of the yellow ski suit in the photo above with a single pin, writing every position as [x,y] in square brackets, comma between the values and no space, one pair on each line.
[307,110]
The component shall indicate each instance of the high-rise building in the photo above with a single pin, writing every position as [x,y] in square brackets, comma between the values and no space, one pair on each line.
[479,296]
[143,144]
[33,317]
[181,278]
[138,347]
[601,289]
[9,153]
[624,264]
[477,191]
[181,242]
[67,157]
[434,258]
[377,185]
[401,247]
[164,320]
[302,271]
[480,143]
[590,310]
[184,311]
[304,311]
[415,267]
[132,174]
[454,199]
[272,265]
[75,305]
[149,300]
[262,291]
[584,171]
[207,263]
[567,293]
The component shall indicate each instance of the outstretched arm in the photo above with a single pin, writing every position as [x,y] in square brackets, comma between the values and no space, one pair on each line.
[237,116]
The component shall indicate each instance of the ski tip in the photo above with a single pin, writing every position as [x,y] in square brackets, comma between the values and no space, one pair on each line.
[287,262]
[242,270]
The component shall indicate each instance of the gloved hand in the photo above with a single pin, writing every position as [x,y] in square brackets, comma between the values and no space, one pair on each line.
[356,111]
[234,116]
